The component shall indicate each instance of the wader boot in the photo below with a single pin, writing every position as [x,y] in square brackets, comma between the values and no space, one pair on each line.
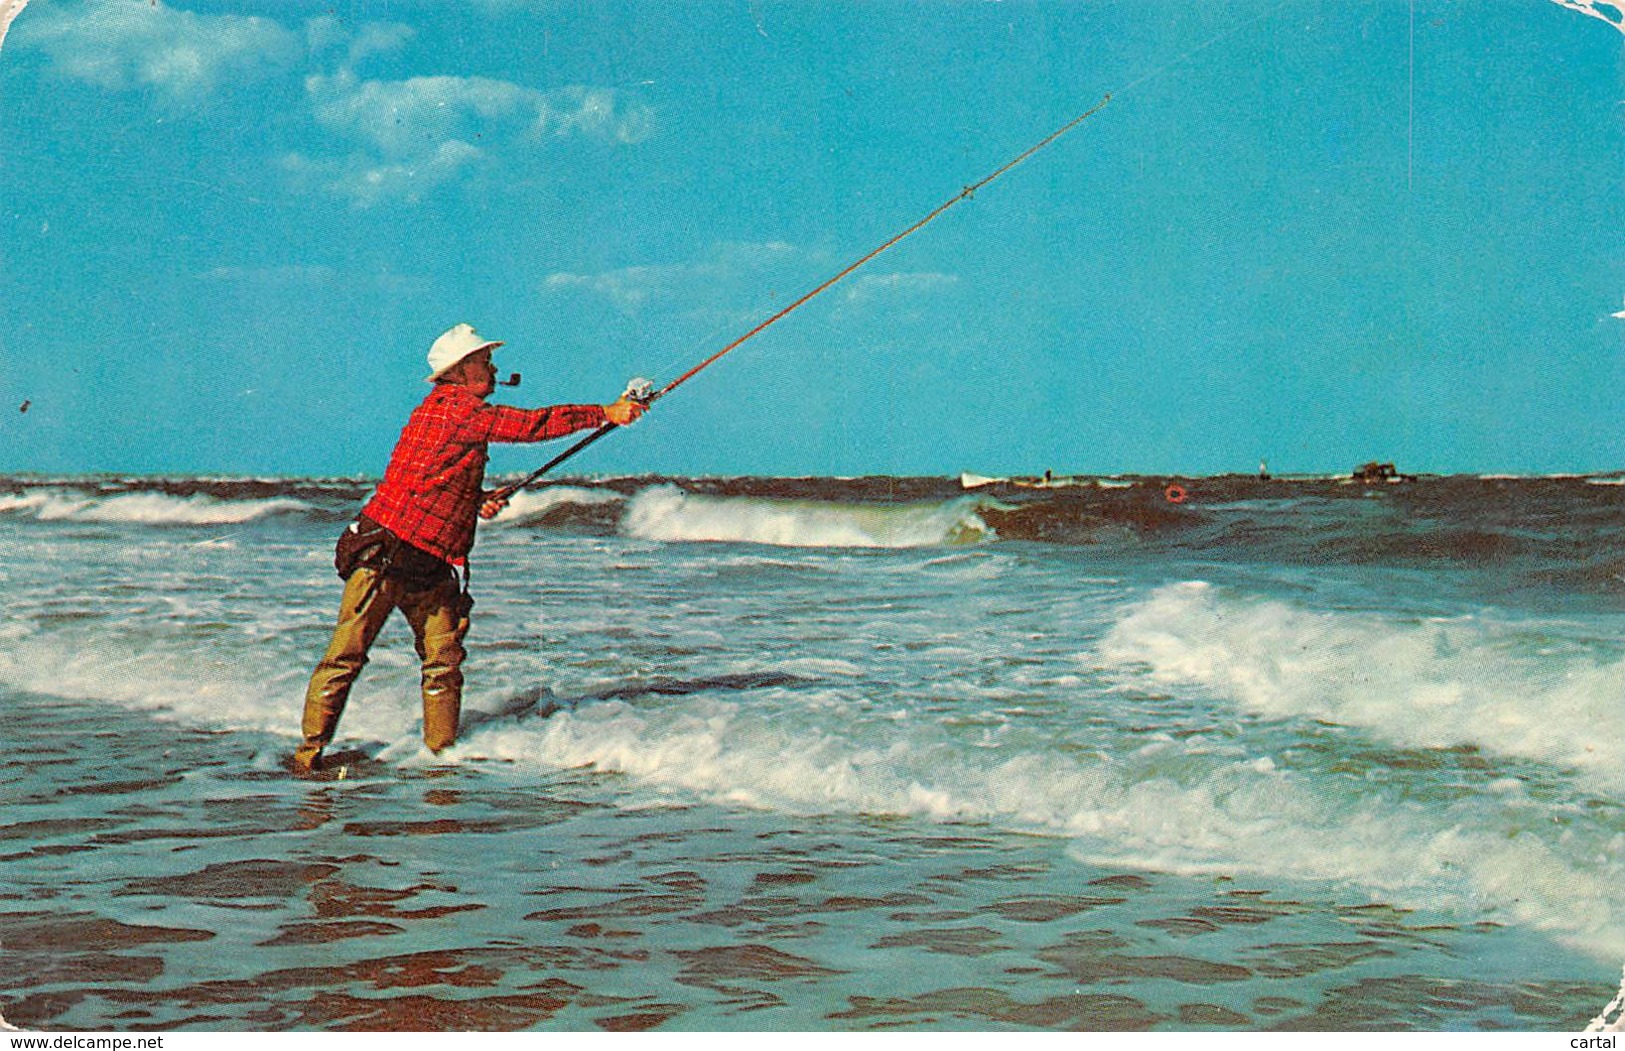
[438,616]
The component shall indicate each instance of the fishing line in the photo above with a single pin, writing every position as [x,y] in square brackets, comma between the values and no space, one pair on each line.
[645,392]
[964,194]
[1199,48]
[693,347]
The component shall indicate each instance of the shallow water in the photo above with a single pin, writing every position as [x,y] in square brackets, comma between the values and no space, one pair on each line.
[827,755]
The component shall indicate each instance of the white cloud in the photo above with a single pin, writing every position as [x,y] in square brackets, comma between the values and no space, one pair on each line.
[725,264]
[400,116]
[403,117]
[726,271]
[396,139]
[740,281]
[327,33]
[368,180]
[417,133]
[628,288]
[127,44]
[1612,13]
[870,287]
[379,38]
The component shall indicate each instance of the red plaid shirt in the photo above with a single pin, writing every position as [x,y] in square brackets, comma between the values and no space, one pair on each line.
[432,490]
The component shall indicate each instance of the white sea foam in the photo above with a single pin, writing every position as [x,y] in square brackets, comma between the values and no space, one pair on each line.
[1183,806]
[817,666]
[190,684]
[530,505]
[910,698]
[1612,1017]
[850,744]
[57,505]
[192,689]
[668,514]
[1417,683]
[1177,809]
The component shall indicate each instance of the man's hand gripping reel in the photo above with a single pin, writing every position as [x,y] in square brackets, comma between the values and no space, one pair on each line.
[641,391]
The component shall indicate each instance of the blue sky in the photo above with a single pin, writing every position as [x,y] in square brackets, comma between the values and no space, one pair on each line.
[1311,233]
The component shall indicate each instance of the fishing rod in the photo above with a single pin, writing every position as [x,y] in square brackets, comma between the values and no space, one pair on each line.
[643,391]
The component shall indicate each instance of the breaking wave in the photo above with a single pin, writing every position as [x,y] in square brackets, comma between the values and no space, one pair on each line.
[1183,808]
[1509,689]
[145,508]
[667,513]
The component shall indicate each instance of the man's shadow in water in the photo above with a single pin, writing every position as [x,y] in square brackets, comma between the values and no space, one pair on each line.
[541,702]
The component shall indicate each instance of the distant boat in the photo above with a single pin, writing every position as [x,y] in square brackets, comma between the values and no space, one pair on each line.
[1373,472]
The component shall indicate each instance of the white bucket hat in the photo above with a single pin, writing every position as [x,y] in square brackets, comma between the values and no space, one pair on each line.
[455,344]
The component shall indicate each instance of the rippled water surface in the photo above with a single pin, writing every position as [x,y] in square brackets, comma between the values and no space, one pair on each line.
[755,754]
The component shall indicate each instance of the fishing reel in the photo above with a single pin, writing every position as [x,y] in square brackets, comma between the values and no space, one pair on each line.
[640,390]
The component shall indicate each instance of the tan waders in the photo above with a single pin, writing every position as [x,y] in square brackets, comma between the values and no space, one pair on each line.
[439,619]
